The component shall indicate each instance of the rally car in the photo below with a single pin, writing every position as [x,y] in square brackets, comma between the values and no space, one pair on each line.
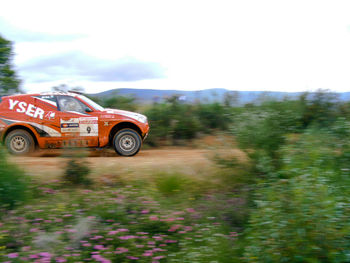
[57,120]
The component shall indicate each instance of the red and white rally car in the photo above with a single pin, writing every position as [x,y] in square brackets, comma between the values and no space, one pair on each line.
[56,120]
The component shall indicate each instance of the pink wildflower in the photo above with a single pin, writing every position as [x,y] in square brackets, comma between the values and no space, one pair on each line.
[132,257]
[158,257]
[121,250]
[61,259]
[67,215]
[170,241]
[99,247]
[45,254]
[127,237]
[12,255]
[99,258]
[26,248]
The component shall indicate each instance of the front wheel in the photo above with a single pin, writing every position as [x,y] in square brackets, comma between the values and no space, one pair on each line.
[19,142]
[127,142]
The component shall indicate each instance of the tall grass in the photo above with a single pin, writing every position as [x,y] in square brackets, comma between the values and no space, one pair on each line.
[14,185]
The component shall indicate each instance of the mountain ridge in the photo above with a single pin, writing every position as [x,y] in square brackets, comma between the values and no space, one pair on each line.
[205,95]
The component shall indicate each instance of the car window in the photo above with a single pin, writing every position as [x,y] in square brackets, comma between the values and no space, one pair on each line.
[50,99]
[67,103]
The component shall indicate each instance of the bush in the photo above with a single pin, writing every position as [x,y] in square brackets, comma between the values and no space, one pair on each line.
[298,220]
[304,217]
[171,122]
[77,172]
[14,186]
[171,184]
[120,102]
[213,116]
[115,101]
[174,120]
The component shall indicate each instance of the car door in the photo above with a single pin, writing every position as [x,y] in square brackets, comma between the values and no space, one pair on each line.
[78,125]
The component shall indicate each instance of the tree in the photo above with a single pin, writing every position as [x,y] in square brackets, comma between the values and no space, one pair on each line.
[119,102]
[231,98]
[9,82]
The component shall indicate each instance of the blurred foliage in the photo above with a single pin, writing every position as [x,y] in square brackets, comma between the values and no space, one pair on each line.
[118,102]
[171,184]
[9,81]
[113,224]
[289,202]
[304,217]
[174,120]
[213,116]
[14,185]
[77,172]
[296,183]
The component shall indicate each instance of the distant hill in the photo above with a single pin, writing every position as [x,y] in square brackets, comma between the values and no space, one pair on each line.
[207,95]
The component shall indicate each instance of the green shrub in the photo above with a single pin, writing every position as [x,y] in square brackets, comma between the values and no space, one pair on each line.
[320,108]
[170,184]
[304,217]
[174,120]
[213,116]
[171,122]
[116,101]
[14,186]
[120,102]
[299,220]
[77,172]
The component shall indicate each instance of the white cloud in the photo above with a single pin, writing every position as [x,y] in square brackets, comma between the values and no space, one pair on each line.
[244,45]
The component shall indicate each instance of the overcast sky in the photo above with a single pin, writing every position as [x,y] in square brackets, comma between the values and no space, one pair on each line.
[187,45]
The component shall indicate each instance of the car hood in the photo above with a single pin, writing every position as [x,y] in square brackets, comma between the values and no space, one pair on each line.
[129,114]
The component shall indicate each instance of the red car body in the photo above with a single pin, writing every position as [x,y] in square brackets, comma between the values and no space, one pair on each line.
[56,120]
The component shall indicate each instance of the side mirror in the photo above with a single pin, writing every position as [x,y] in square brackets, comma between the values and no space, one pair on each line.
[88,109]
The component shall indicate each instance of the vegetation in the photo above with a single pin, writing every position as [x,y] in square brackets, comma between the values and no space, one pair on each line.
[14,186]
[289,202]
[77,172]
[9,82]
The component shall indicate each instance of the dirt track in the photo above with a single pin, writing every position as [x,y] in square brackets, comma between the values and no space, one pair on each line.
[50,164]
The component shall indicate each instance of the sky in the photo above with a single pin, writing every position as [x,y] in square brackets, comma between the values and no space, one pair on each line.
[299,45]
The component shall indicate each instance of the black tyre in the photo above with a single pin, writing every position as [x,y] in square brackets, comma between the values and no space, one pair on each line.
[127,142]
[19,142]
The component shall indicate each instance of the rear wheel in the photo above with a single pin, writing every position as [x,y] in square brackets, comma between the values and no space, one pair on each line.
[19,142]
[127,142]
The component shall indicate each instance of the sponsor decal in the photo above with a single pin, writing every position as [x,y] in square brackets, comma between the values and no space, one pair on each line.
[108,116]
[28,109]
[50,115]
[70,125]
[85,126]
[88,126]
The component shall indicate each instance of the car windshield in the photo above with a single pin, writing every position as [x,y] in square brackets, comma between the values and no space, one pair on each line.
[91,103]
